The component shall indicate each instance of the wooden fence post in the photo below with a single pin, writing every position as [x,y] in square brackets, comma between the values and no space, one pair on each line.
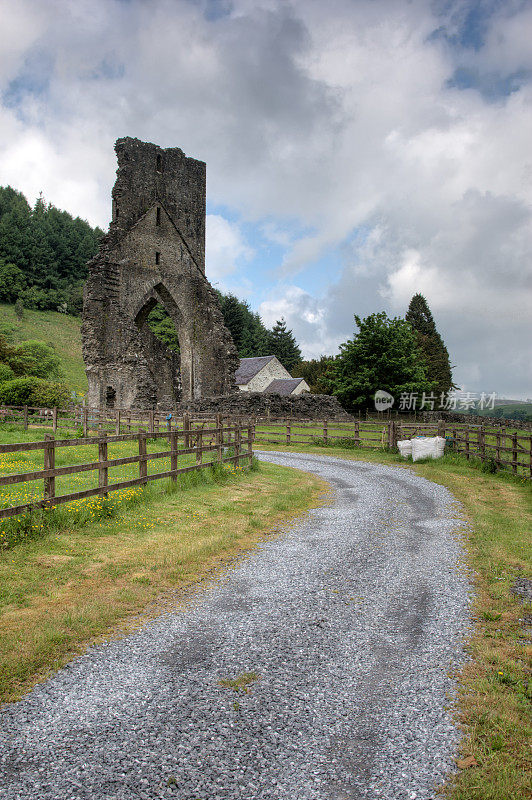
[514,453]
[357,433]
[102,471]
[498,448]
[288,434]
[25,418]
[117,425]
[250,445]
[482,443]
[441,428]
[128,422]
[54,419]
[186,428]
[143,463]
[219,437]
[173,456]
[392,435]
[467,442]
[325,433]
[199,446]
[237,444]
[49,463]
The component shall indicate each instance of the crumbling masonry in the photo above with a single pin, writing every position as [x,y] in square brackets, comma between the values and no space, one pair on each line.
[154,253]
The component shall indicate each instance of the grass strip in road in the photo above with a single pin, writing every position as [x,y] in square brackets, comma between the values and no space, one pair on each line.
[61,591]
[495,687]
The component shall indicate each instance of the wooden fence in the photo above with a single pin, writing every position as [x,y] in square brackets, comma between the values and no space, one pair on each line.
[195,441]
[506,449]
[92,420]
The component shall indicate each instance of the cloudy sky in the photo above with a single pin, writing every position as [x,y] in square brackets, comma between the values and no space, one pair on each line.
[358,151]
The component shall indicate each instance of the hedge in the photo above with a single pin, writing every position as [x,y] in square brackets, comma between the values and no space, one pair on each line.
[34,392]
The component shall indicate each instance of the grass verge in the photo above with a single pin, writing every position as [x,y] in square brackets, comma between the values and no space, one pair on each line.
[495,687]
[70,586]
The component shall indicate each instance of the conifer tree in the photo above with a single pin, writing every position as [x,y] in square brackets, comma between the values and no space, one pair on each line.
[435,354]
[234,318]
[284,346]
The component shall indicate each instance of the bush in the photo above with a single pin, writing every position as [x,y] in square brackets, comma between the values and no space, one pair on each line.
[490,466]
[43,299]
[34,392]
[6,373]
[35,358]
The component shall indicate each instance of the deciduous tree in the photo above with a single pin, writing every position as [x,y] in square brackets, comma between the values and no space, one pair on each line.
[383,355]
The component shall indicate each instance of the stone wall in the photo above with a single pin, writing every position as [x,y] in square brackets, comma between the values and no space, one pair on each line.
[470,419]
[154,253]
[256,404]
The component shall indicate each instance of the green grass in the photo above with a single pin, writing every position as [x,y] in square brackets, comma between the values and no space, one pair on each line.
[495,687]
[59,330]
[30,525]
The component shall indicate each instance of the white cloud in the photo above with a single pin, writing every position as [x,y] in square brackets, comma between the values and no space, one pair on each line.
[305,316]
[225,247]
[335,121]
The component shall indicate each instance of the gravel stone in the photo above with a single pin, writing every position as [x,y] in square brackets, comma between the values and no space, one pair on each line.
[353,620]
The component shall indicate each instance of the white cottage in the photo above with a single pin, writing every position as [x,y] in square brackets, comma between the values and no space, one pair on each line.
[267,374]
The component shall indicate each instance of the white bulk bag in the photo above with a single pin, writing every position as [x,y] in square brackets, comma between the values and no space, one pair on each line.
[405,448]
[428,447]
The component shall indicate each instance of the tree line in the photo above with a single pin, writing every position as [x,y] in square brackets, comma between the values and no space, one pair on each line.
[43,254]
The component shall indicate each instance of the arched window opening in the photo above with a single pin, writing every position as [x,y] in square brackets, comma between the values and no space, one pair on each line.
[158,216]
[159,164]
[162,327]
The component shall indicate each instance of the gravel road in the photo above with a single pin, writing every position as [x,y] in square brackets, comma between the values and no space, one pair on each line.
[352,620]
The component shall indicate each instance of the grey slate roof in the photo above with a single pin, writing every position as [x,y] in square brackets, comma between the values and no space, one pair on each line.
[249,367]
[284,386]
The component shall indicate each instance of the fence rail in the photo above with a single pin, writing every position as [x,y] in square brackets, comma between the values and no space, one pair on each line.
[217,440]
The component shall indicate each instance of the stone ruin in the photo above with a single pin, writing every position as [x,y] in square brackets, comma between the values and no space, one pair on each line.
[154,253]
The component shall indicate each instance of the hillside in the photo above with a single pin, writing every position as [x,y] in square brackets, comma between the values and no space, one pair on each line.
[59,330]
[514,409]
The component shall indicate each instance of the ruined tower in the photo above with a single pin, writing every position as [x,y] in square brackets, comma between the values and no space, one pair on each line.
[154,253]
